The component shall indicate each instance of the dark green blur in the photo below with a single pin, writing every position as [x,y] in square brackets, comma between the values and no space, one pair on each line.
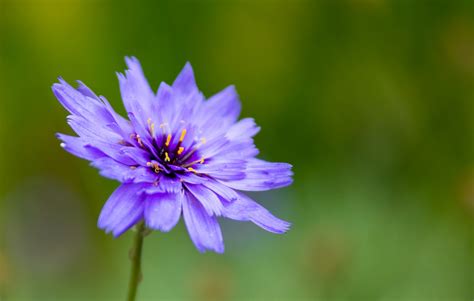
[372,101]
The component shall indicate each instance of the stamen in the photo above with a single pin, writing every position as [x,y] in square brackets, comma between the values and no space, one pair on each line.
[188,154]
[192,169]
[180,150]
[194,162]
[168,140]
[139,140]
[155,166]
[203,140]
[151,126]
[167,158]
[163,126]
[183,133]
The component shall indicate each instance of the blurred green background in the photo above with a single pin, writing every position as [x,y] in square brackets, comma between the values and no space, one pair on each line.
[372,101]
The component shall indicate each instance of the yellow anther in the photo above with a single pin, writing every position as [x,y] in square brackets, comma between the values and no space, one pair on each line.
[168,140]
[167,158]
[203,140]
[192,169]
[180,150]
[194,162]
[151,126]
[183,133]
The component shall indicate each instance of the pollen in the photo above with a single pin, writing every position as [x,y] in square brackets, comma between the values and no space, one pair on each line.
[202,160]
[192,169]
[167,158]
[180,150]
[168,140]
[183,133]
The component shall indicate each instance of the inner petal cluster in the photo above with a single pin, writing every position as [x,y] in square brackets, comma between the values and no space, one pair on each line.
[170,153]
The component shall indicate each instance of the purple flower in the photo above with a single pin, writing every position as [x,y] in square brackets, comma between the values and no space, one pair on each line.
[178,154]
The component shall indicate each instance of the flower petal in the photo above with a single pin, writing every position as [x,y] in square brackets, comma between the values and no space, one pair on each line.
[138,97]
[115,170]
[226,193]
[185,83]
[162,211]
[166,106]
[86,91]
[224,169]
[203,229]
[138,155]
[221,110]
[122,210]
[77,147]
[207,198]
[261,175]
[222,147]
[88,129]
[112,169]
[165,184]
[245,209]
[243,130]
[78,103]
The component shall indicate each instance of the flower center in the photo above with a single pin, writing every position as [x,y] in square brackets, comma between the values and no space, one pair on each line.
[170,156]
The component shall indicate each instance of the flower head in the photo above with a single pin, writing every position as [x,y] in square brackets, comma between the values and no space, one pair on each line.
[177,154]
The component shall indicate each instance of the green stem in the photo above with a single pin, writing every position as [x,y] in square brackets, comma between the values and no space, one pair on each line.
[136,258]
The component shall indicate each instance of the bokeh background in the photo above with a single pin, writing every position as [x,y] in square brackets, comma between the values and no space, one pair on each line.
[372,101]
